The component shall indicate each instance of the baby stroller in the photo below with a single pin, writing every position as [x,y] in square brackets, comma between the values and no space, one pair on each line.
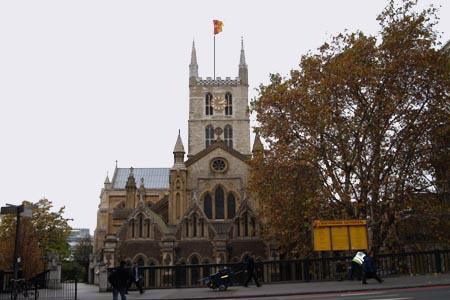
[220,280]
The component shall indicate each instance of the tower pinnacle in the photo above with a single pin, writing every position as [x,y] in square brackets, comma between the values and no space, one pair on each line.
[178,152]
[243,71]
[193,66]
[242,59]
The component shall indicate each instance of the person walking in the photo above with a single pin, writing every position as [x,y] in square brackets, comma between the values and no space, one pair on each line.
[136,278]
[119,280]
[369,269]
[356,265]
[251,271]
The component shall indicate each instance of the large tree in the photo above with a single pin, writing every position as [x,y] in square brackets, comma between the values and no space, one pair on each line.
[361,112]
[44,233]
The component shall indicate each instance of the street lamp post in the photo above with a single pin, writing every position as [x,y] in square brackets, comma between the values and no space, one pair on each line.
[19,209]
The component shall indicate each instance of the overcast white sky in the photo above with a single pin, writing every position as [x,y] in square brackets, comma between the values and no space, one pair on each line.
[85,83]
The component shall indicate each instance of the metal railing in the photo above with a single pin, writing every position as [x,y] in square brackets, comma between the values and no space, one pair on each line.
[314,269]
[51,289]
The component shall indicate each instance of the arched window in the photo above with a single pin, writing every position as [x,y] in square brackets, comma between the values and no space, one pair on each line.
[187,228]
[238,225]
[207,206]
[194,260]
[141,225]
[209,135]
[208,104]
[253,227]
[194,226]
[219,201]
[202,227]
[140,261]
[228,104]
[178,205]
[231,206]
[245,224]
[148,228]
[228,133]
[132,229]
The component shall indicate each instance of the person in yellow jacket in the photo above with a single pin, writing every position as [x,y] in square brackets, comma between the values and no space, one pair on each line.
[356,266]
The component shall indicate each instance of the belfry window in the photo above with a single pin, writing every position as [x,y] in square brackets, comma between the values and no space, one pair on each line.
[208,104]
[228,104]
[209,135]
[228,135]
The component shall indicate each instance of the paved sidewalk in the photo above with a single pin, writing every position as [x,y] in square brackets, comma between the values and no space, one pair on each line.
[90,292]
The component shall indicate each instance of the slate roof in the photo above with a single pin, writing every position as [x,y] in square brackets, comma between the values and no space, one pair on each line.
[154,178]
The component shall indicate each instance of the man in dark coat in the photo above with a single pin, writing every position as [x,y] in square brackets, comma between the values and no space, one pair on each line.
[119,280]
[251,271]
[369,269]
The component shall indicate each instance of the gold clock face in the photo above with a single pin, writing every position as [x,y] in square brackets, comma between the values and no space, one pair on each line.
[218,102]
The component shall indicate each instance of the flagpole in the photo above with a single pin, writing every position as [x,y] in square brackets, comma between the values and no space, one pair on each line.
[214,78]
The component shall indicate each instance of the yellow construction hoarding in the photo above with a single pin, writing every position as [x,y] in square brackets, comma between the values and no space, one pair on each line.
[340,235]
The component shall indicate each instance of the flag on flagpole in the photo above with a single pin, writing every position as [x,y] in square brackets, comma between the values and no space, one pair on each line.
[217,26]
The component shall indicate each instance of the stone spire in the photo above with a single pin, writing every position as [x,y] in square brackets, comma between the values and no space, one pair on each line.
[242,59]
[107,179]
[257,144]
[193,66]
[107,183]
[178,152]
[243,71]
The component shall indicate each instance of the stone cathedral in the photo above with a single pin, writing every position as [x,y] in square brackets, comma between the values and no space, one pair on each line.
[198,210]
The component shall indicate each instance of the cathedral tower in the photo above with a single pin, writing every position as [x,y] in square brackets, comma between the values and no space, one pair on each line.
[218,109]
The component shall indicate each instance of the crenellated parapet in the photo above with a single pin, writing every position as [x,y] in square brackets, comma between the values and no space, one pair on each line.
[209,81]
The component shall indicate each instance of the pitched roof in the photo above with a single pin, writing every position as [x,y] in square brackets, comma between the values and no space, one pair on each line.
[217,144]
[154,178]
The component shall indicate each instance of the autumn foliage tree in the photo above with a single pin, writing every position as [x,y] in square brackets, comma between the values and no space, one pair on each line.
[28,248]
[45,232]
[360,113]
